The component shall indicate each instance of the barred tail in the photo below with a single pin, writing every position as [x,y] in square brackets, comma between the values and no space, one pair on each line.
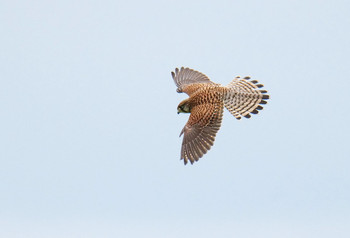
[244,97]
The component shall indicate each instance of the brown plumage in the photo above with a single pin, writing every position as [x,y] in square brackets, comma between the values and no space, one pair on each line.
[242,97]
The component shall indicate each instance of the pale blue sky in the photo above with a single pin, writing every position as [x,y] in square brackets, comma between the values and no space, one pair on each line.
[89,129]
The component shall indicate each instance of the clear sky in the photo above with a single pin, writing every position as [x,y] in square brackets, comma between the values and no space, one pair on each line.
[89,142]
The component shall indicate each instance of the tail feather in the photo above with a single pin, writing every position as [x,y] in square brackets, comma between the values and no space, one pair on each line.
[244,97]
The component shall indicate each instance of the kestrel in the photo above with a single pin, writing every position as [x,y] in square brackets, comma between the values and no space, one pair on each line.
[242,97]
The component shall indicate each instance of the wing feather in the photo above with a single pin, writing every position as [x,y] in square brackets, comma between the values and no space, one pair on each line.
[187,80]
[200,131]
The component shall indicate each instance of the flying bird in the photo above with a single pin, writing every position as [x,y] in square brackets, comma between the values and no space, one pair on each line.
[242,97]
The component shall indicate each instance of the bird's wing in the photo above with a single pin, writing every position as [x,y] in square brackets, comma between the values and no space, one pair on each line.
[200,131]
[244,97]
[187,80]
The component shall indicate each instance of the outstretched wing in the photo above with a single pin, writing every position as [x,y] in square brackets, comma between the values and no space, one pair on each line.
[187,80]
[200,131]
[244,97]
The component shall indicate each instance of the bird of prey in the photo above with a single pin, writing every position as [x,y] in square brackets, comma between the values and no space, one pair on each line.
[242,97]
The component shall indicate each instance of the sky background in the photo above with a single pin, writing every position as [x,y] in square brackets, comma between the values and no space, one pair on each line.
[89,142]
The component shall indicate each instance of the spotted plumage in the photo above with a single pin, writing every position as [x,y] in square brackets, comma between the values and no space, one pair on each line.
[206,102]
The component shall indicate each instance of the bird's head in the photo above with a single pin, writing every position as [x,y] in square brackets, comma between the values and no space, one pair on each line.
[184,107]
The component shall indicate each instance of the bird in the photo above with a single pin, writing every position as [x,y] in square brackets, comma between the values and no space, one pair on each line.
[241,97]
